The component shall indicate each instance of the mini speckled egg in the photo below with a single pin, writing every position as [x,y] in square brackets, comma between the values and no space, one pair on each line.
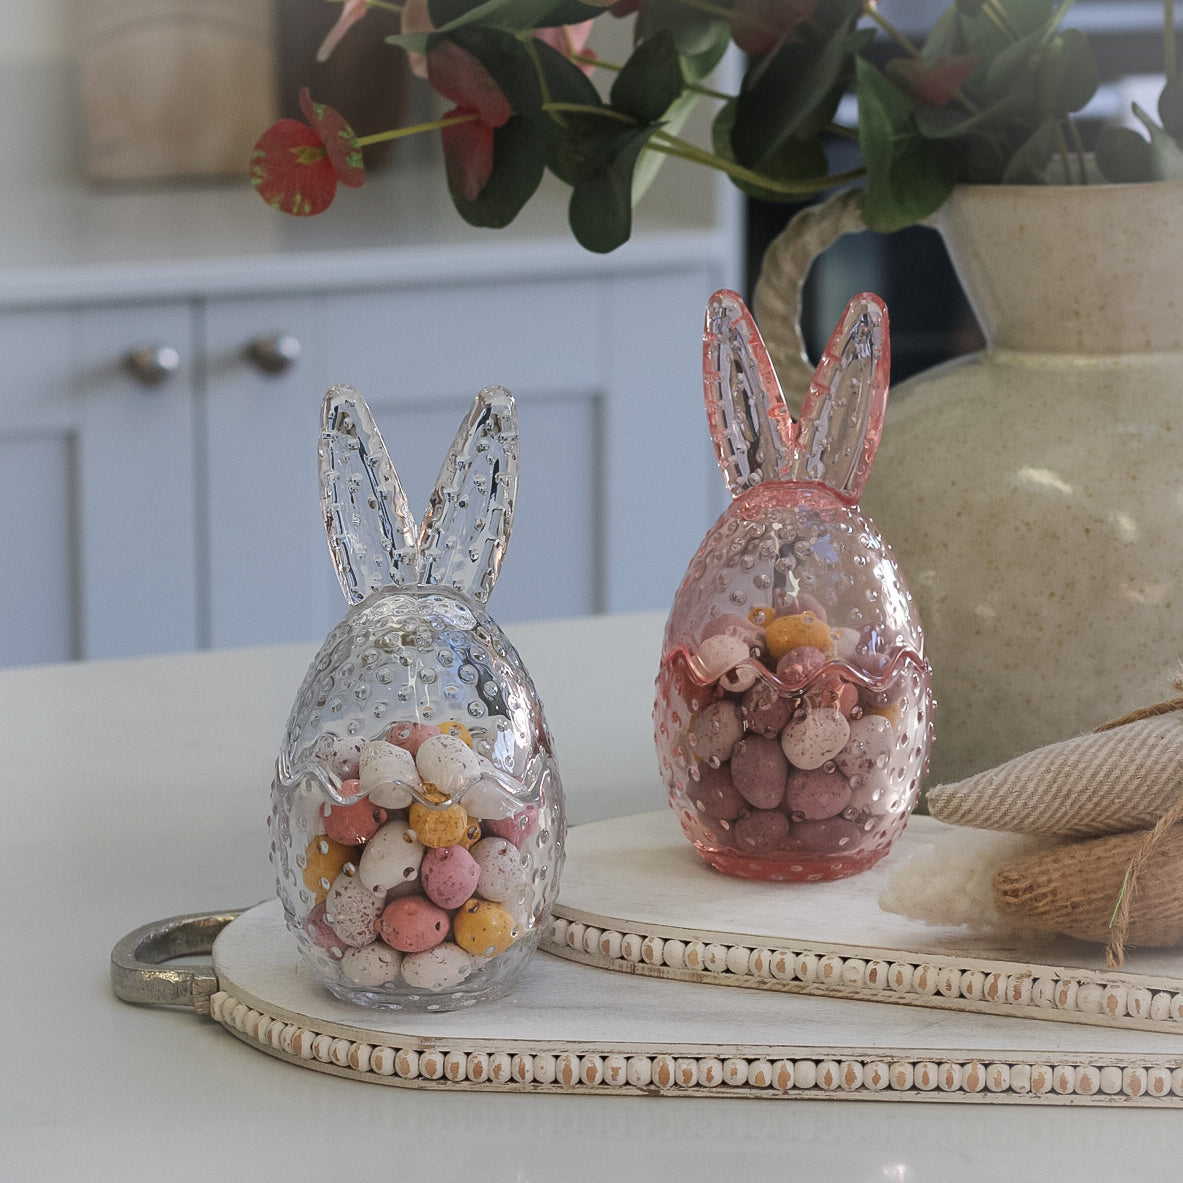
[352,824]
[786,633]
[447,762]
[868,746]
[814,793]
[376,964]
[759,770]
[484,928]
[441,968]
[449,875]
[323,862]
[352,910]
[438,827]
[762,829]
[717,728]
[388,775]
[391,857]
[413,923]
[502,877]
[811,741]
[516,828]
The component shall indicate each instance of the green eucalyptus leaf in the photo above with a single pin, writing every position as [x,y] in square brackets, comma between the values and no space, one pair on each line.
[650,81]
[650,163]
[1170,106]
[794,160]
[695,31]
[562,79]
[517,172]
[908,177]
[508,62]
[1030,16]
[1070,76]
[518,15]
[601,207]
[581,145]
[792,92]
[1166,154]
[1123,155]
[947,36]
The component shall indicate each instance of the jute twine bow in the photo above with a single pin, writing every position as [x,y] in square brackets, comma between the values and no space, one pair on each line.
[1119,922]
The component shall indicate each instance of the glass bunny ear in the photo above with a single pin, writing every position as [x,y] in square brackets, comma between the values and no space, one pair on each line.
[470,511]
[750,423]
[371,531]
[842,416]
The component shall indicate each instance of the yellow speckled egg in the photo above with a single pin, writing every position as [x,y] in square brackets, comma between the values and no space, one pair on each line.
[458,730]
[484,928]
[802,628]
[323,860]
[438,827]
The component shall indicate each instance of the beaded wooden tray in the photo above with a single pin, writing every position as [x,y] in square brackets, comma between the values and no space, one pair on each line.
[636,898]
[574,1029]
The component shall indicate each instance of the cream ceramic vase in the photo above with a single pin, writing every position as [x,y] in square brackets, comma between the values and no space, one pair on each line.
[1033,492]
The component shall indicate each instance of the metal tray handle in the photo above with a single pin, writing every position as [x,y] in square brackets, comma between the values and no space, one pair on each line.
[138,970]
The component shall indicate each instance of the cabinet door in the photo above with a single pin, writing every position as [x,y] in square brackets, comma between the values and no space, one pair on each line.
[270,577]
[96,476]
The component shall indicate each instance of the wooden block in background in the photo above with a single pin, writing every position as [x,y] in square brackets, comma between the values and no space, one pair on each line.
[173,89]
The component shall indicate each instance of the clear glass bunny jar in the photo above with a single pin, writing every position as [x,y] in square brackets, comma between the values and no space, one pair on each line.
[417,820]
[793,717]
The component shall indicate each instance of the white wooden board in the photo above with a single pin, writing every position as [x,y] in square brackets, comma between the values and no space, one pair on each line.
[636,897]
[575,1029]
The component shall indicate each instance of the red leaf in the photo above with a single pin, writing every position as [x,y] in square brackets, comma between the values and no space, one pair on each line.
[468,155]
[290,169]
[758,26]
[934,81]
[458,76]
[340,144]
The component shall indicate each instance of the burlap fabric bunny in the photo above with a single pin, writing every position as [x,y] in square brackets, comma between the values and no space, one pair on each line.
[1104,862]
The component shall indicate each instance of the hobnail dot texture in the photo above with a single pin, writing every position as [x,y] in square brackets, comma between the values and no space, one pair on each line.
[793,715]
[349,844]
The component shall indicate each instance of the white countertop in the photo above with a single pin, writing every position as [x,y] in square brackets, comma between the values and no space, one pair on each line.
[139,789]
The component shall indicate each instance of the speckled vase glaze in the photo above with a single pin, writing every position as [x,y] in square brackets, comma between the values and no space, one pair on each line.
[792,715]
[1033,492]
[417,822]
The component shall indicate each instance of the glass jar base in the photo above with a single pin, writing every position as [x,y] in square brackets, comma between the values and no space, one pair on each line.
[789,868]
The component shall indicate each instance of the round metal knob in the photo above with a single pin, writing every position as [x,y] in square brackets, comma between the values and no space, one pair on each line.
[152,364]
[274,354]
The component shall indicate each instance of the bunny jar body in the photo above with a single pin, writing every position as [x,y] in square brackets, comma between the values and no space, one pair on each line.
[417,813]
[793,716]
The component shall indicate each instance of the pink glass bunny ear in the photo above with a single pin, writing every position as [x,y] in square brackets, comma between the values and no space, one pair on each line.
[470,512]
[370,529]
[749,420]
[842,416]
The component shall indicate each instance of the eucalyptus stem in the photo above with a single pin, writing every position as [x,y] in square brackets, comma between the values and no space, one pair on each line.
[997,16]
[1078,145]
[673,146]
[587,109]
[1063,153]
[399,133]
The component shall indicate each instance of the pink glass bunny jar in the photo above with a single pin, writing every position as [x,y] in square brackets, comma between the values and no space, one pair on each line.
[417,815]
[793,715]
